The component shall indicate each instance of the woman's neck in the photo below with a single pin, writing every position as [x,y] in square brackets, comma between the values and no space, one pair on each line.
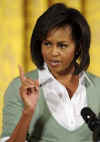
[67,74]
[69,80]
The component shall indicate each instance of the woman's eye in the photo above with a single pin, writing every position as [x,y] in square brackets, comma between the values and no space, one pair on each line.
[46,43]
[62,46]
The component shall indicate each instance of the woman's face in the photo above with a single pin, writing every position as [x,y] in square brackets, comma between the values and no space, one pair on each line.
[58,49]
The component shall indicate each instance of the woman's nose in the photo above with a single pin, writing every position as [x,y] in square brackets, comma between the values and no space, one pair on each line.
[55,51]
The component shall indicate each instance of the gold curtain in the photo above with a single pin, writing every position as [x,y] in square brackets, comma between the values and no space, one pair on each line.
[17,19]
[11,43]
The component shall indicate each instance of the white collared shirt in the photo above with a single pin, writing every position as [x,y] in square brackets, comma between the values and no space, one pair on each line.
[66,111]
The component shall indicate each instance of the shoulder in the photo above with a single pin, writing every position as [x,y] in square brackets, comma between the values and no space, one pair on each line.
[32,74]
[14,85]
[94,79]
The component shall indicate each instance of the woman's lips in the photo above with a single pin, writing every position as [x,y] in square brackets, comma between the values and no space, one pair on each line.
[54,63]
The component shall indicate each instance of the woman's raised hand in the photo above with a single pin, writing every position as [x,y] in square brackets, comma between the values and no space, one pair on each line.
[29,91]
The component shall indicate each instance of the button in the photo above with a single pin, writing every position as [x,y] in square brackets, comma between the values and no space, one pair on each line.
[72,122]
[60,95]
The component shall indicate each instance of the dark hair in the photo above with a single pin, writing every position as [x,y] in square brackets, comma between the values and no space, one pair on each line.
[56,16]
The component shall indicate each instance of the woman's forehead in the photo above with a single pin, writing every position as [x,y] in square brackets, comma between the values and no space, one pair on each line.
[61,32]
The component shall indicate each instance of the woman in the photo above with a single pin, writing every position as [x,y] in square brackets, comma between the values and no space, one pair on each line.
[44,105]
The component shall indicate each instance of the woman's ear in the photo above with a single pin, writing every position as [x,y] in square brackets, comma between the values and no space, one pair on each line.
[77,53]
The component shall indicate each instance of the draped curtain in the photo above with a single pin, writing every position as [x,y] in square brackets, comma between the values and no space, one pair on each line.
[17,19]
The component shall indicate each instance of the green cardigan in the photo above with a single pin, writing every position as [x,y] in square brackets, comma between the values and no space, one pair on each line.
[44,127]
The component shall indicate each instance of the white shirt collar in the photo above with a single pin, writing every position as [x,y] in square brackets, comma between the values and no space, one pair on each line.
[45,75]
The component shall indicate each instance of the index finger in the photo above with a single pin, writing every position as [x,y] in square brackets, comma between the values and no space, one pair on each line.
[21,73]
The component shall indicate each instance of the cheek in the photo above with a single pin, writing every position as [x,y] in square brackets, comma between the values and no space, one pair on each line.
[44,53]
[68,56]
[72,54]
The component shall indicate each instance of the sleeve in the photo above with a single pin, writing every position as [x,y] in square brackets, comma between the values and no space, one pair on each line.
[13,107]
[4,139]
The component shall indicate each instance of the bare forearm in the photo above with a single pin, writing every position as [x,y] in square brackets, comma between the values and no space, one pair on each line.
[20,132]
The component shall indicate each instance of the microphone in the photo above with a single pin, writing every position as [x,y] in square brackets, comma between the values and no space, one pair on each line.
[92,121]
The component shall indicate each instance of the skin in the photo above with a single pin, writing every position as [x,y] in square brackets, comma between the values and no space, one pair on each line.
[58,51]
[59,47]
[29,96]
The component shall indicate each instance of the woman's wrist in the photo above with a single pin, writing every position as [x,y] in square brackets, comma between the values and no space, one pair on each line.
[28,111]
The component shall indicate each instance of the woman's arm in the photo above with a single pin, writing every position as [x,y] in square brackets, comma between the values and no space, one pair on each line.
[28,92]
[20,132]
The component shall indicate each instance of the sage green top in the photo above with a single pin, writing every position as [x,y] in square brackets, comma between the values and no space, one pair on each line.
[44,127]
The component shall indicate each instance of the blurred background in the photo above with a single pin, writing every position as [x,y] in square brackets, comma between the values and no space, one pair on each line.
[17,19]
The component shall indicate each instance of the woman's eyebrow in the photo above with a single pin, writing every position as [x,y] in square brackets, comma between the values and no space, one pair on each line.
[63,41]
[46,40]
